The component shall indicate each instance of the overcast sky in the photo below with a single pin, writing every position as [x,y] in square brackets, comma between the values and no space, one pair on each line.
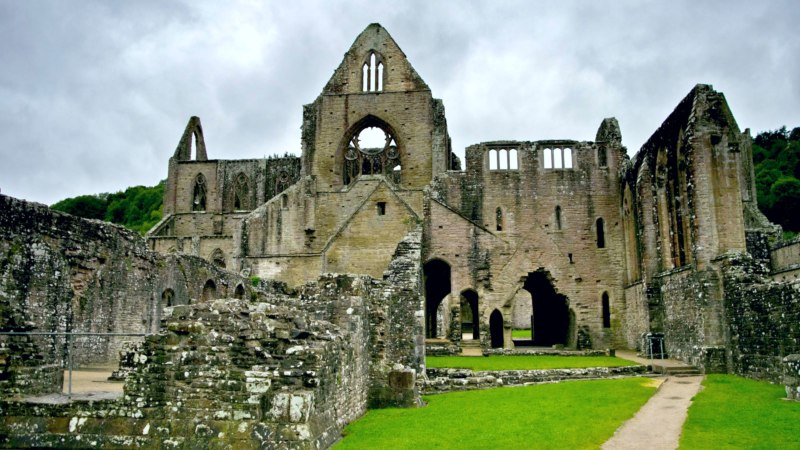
[94,95]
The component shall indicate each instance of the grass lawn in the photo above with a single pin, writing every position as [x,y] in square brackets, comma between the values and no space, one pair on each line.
[735,412]
[524,362]
[521,334]
[578,414]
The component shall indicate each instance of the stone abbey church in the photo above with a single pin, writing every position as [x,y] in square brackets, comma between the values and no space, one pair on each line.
[280,298]
[572,239]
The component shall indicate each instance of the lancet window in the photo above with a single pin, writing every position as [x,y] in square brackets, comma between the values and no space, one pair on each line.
[199,193]
[372,74]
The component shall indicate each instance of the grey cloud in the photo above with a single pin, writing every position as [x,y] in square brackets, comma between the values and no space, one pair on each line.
[94,95]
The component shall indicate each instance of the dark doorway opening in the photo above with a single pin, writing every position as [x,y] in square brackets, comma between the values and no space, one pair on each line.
[551,316]
[239,292]
[437,286]
[209,290]
[469,314]
[496,329]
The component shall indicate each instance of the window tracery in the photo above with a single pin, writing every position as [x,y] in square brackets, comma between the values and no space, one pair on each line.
[366,154]
[241,192]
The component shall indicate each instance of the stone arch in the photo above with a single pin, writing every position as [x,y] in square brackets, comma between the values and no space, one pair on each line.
[496,329]
[167,298]
[199,192]
[437,281]
[470,317]
[218,258]
[241,193]
[551,321]
[209,290]
[239,291]
[357,161]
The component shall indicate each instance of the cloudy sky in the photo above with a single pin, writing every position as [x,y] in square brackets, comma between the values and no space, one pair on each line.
[94,95]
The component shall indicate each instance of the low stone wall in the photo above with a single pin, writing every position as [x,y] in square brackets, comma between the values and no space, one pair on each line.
[522,351]
[446,380]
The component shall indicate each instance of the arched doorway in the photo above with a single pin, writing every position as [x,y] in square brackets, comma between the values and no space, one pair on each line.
[470,321]
[167,298]
[239,292]
[496,329]
[437,286]
[551,316]
[209,290]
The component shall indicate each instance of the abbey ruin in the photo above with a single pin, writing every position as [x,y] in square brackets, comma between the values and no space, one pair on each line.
[286,295]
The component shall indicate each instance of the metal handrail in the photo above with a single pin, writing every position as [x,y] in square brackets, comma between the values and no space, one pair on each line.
[69,335]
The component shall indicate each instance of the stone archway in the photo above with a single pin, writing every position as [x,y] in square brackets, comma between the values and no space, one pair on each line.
[470,318]
[550,322]
[436,273]
[496,329]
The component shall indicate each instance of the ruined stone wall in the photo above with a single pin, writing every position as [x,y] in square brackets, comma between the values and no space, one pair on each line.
[60,273]
[763,319]
[785,260]
[495,224]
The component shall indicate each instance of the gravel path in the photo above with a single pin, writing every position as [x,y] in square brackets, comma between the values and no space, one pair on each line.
[657,425]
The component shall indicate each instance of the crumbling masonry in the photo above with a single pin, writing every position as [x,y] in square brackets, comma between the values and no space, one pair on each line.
[588,248]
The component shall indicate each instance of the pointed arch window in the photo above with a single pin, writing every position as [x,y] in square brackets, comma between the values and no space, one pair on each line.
[199,193]
[499,219]
[558,217]
[241,192]
[218,258]
[606,310]
[372,150]
[372,73]
[601,233]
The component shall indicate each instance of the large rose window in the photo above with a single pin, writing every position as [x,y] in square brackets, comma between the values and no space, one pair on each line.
[372,151]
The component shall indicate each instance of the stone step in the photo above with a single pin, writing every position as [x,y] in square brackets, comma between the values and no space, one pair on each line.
[678,371]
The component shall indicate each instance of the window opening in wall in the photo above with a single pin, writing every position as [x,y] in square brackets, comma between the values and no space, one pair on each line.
[601,233]
[548,158]
[570,258]
[568,158]
[558,217]
[606,311]
[493,160]
[199,193]
[499,219]
[218,258]
[381,208]
[496,329]
[602,158]
[372,73]
[241,193]
[372,151]
[502,155]
[557,161]
[513,162]
[284,201]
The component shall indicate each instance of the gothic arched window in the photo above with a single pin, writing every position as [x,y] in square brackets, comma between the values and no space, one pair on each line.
[372,151]
[241,192]
[372,73]
[199,193]
[218,258]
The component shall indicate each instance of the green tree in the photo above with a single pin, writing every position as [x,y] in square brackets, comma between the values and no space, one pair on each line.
[786,202]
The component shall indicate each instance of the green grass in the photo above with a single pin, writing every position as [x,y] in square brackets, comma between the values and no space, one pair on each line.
[521,334]
[520,362]
[735,412]
[581,414]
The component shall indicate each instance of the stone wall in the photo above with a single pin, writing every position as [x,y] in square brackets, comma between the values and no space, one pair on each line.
[60,273]
[763,319]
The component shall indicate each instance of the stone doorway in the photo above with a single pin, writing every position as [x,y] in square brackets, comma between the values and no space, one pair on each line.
[550,321]
[470,320]
[437,286]
[496,329]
